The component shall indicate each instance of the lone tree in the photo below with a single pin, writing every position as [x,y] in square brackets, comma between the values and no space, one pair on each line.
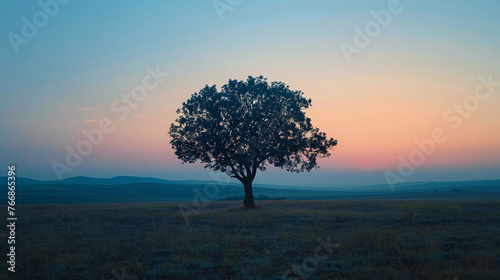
[246,126]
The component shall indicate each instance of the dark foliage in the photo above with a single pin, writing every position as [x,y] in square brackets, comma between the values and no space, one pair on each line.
[246,126]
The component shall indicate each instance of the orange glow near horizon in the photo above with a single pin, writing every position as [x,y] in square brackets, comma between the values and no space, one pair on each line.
[374,128]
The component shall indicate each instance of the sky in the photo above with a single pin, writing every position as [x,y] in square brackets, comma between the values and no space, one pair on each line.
[410,89]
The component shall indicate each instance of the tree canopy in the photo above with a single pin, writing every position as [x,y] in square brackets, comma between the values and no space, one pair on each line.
[246,126]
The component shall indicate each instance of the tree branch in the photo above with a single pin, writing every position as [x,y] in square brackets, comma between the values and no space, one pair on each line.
[241,171]
[236,175]
[249,172]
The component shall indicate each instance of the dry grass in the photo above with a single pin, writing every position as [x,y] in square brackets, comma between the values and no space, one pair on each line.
[372,240]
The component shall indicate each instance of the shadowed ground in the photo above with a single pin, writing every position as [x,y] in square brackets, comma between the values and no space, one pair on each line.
[390,239]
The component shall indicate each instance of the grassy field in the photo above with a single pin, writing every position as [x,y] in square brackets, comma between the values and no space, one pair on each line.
[359,239]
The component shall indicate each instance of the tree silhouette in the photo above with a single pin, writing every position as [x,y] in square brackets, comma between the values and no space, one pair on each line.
[246,126]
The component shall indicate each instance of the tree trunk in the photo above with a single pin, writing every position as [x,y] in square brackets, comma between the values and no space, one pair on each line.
[248,202]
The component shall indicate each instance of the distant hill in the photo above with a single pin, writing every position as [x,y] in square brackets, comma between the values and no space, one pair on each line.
[144,189]
[120,180]
[477,186]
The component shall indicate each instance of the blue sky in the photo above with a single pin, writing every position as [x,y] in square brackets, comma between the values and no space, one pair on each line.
[91,52]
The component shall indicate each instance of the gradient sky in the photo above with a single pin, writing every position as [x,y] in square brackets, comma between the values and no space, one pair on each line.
[394,92]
